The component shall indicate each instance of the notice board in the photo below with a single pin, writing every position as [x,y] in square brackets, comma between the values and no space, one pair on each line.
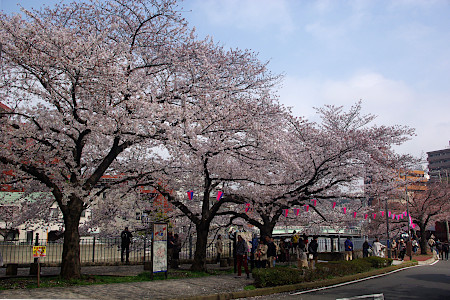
[159,247]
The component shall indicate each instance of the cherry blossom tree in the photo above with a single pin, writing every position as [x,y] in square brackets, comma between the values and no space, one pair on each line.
[228,103]
[123,88]
[429,206]
[87,85]
[320,161]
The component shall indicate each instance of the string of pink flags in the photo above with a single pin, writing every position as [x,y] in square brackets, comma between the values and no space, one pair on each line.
[296,211]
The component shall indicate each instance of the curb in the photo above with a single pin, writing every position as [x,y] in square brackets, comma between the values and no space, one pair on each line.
[297,286]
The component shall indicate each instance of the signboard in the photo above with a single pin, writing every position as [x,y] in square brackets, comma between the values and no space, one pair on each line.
[39,251]
[159,247]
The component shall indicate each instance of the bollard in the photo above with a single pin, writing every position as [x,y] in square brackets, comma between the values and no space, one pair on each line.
[223,262]
[11,269]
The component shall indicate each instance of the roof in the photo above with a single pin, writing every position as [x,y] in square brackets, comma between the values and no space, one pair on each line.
[13,197]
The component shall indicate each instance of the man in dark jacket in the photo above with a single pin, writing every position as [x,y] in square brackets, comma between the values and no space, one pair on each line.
[125,236]
[348,249]
[271,251]
[366,247]
[313,251]
[241,254]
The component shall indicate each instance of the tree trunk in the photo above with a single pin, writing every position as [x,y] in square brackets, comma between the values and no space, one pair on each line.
[199,263]
[266,229]
[423,240]
[71,265]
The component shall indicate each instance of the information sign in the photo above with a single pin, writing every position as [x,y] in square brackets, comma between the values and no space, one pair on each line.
[39,251]
[159,247]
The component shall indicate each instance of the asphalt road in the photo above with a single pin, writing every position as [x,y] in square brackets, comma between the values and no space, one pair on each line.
[421,282]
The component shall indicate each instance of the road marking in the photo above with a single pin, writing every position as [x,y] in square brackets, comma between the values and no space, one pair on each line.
[373,296]
[351,282]
[435,262]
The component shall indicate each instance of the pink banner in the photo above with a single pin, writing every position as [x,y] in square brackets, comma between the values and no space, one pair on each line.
[219,195]
[354,214]
[314,201]
[297,211]
[247,207]
[190,194]
[334,204]
[344,209]
[382,213]
[306,207]
[365,216]
[374,216]
[389,214]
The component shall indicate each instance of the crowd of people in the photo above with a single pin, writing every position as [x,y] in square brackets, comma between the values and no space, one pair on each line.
[264,252]
[438,248]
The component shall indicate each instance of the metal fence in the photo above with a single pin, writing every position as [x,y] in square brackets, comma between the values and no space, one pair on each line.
[108,250]
[96,250]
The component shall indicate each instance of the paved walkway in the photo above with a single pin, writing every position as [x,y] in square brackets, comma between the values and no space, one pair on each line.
[161,289]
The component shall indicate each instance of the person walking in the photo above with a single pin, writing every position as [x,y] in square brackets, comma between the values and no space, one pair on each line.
[125,237]
[432,245]
[313,252]
[271,251]
[394,247]
[401,249]
[348,245]
[439,249]
[176,251]
[415,246]
[378,248]
[445,250]
[366,248]
[241,254]
[219,248]
[261,254]
[295,241]
[302,258]
[253,250]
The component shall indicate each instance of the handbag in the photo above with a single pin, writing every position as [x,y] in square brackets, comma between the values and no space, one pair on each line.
[310,256]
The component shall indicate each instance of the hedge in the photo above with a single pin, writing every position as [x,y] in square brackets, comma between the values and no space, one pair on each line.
[283,276]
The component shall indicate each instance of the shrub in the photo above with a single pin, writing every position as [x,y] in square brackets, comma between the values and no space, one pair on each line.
[276,276]
[378,262]
[285,275]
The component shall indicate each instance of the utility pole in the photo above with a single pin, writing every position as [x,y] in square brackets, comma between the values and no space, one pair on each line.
[388,239]
[409,242]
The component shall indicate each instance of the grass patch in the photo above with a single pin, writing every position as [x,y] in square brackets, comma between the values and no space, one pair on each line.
[250,287]
[56,281]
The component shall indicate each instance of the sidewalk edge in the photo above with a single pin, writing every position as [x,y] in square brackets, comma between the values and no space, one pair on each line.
[297,286]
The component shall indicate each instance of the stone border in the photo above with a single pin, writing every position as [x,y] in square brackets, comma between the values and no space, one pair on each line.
[298,286]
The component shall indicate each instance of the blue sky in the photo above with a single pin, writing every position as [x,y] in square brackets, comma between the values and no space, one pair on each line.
[394,55]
